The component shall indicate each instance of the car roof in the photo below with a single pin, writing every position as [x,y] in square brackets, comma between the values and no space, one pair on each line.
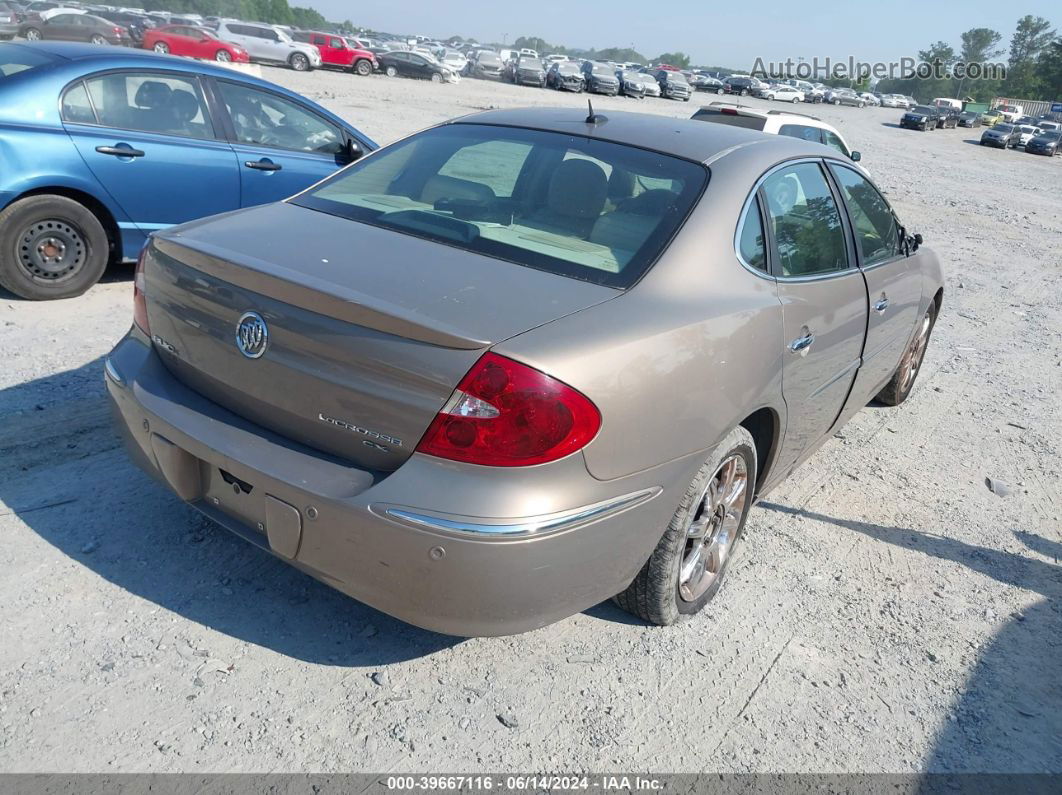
[686,138]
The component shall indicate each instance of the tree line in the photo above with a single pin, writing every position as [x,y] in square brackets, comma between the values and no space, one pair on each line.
[275,12]
[1033,61]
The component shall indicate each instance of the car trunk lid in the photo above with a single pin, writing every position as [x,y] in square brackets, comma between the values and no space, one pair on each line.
[368,330]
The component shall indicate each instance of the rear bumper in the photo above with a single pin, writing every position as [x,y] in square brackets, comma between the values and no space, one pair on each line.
[430,543]
[9,28]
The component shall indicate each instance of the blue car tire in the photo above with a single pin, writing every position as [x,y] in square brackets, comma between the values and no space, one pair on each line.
[50,247]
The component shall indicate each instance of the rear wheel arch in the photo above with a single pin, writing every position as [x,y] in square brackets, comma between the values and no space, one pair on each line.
[765,427]
[938,301]
[93,205]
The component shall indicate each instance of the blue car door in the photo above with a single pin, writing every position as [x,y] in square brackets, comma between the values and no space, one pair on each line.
[282,146]
[148,139]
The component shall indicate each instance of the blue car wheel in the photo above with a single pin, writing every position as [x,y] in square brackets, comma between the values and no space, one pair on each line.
[50,247]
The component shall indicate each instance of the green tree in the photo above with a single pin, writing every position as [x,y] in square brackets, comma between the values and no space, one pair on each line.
[980,45]
[679,59]
[1050,69]
[1031,37]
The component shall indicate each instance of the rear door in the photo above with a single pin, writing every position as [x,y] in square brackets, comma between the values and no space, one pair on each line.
[281,145]
[148,138]
[823,297]
[894,285]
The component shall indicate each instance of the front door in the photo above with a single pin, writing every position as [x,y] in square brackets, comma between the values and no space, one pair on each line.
[148,140]
[282,147]
[824,303]
[894,283]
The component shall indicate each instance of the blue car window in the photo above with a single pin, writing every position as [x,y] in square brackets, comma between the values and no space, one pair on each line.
[150,102]
[263,118]
[76,105]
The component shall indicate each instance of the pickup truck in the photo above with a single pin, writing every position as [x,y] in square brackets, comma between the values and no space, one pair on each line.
[336,52]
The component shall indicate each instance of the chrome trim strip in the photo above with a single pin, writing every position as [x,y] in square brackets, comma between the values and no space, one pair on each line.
[836,378]
[531,525]
[112,373]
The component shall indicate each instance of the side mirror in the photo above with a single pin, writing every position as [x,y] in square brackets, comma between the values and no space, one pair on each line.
[856,157]
[351,150]
[917,239]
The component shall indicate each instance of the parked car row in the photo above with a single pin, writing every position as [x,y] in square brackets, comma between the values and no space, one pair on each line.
[1039,136]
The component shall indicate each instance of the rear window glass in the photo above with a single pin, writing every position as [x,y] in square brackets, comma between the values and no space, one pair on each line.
[588,209]
[15,58]
[730,119]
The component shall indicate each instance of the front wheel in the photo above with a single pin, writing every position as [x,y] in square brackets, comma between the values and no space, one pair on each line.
[391,71]
[363,68]
[32,34]
[686,568]
[50,247]
[837,102]
[902,382]
[299,62]
[161,47]
[744,92]
[719,91]
[436,77]
[223,55]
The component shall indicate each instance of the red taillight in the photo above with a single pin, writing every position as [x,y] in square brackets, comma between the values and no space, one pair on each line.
[729,111]
[507,414]
[119,31]
[140,317]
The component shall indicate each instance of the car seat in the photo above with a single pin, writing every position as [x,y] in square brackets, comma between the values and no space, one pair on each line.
[574,201]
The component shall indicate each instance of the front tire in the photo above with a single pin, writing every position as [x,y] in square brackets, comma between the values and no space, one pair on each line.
[687,567]
[903,380]
[363,68]
[299,62]
[719,91]
[795,100]
[32,34]
[97,39]
[50,247]
[436,77]
[391,71]
[161,47]
[223,56]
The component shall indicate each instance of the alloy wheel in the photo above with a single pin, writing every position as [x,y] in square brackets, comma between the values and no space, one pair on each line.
[912,359]
[713,529]
[224,56]
[161,47]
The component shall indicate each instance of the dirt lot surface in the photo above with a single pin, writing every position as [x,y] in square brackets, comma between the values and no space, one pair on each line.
[889,611]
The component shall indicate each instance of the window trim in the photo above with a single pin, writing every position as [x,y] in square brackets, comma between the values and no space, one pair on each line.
[772,272]
[847,211]
[766,270]
[191,77]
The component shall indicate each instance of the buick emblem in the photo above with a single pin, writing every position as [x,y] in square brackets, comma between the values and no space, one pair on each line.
[252,335]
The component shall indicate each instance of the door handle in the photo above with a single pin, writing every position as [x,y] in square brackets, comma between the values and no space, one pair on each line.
[801,345]
[882,303]
[119,151]
[263,165]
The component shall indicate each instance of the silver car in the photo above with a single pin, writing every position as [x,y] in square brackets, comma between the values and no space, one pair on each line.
[566,357]
[269,44]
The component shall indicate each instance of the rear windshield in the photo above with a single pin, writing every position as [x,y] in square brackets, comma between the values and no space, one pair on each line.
[589,209]
[15,58]
[730,119]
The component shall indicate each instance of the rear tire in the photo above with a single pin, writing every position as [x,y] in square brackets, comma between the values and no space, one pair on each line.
[436,77]
[903,380]
[32,34]
[299,62]
[363,68]
[50,247]
[161,47]
[98,39]
[659,594]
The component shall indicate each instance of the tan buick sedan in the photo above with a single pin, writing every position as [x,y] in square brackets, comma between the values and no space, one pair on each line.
[524,361]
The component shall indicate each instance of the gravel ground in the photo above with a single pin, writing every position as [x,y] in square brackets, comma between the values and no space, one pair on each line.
[889,611]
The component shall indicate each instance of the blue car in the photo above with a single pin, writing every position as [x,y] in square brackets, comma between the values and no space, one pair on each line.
[99,147]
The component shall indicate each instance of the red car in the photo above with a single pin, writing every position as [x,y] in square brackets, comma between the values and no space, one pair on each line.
[338,52]
[193,42]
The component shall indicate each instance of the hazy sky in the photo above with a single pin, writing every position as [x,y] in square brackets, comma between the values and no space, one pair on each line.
[720,32]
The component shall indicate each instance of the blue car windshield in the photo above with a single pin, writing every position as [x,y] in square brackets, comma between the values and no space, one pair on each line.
[15,58]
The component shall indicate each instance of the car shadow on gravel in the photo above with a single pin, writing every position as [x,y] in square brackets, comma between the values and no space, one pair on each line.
[121,272]
[73,485]
[1009,718]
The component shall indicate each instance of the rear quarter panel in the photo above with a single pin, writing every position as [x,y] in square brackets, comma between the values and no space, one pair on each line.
[683,356]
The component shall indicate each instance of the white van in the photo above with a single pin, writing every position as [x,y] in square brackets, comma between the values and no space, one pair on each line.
[948,103]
